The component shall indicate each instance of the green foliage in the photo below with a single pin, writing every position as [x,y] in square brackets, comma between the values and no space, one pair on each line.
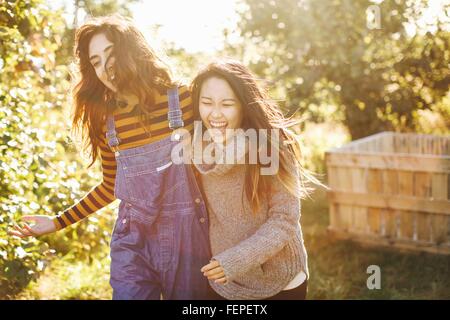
[40,172]
[380,79]
[69,278]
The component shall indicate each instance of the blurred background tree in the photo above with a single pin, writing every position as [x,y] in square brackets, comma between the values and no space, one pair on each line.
[41,171]
[330,61]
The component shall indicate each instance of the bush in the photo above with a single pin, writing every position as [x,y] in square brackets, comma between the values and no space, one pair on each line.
[40,172]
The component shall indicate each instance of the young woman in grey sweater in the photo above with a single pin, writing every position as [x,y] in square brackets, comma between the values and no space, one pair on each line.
[252,182]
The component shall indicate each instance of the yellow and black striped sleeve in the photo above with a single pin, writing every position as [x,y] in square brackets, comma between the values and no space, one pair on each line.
[96,199]
[131,135]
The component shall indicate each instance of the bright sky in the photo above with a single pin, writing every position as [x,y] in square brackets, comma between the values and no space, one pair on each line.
[195,25]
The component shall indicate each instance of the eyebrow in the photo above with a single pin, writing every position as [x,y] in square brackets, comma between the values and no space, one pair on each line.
[104,50]
[229,99]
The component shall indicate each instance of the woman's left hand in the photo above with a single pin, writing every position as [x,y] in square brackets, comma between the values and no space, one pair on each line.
[214,271]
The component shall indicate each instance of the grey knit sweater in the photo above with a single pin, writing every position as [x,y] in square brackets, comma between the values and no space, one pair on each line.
[260,253]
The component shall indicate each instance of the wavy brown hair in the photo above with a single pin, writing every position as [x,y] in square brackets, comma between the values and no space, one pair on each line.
[260,112]
[137,70]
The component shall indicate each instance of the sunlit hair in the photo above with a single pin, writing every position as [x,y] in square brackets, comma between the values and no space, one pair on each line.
[136,70]
[260,112]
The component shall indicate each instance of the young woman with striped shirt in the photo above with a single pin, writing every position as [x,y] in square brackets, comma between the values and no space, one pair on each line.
[129,110]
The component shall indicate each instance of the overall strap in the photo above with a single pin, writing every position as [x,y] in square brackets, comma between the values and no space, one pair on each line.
[175,115]
[111,135]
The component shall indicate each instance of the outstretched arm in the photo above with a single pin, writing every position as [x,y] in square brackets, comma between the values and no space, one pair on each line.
[99,197]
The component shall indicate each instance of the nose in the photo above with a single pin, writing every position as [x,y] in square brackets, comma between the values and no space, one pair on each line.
[106,70]
[102,72]
[216,112]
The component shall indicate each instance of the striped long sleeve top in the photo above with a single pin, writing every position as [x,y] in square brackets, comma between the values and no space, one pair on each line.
[131,133]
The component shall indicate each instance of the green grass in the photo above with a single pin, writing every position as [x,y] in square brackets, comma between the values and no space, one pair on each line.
[68,279]
[337,269]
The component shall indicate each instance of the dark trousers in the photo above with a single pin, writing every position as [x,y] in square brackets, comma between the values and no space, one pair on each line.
[298,293]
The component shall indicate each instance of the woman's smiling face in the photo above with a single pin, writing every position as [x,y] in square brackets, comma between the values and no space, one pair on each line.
[99,50]
[219,108]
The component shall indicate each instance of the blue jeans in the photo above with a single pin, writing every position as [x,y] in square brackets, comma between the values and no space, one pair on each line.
[160,240]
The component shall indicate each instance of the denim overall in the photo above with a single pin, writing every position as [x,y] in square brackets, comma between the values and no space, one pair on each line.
[160,239]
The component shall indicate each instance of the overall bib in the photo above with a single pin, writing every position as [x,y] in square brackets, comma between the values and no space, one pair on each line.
[160,239]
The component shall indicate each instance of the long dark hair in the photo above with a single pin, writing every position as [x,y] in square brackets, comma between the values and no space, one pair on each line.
[137,70]
[259,112]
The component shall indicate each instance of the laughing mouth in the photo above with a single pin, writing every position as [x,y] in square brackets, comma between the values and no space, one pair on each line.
[218,124]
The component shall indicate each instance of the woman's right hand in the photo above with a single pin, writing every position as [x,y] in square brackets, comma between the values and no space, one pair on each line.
[42,225]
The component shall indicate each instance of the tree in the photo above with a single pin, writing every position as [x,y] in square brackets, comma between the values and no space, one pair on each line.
[40,169]
[322,52]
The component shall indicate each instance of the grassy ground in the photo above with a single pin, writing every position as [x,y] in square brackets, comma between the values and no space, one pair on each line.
[338,269]
[67,279]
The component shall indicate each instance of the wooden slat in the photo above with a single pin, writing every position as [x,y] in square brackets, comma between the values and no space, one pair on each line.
[359,178]
[375,181]
[424,227]
[374,186]
[391,202]
[345,185]
[439,146]
[406,218]
[344,179]
[415,145]
[334,208]
[359,213]
[401,144]
[407,225]
[439,222]
[390,223]
[390,182]
[422,185]
[405,183]
[345,217]
[388,143]
[389,217]
[374,220]
[402,162]
[429,145]
[332,177]
[422,190]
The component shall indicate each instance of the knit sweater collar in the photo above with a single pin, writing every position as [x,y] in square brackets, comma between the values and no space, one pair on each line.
[231,155]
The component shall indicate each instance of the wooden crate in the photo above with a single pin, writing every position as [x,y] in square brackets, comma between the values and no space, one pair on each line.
[392,189]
